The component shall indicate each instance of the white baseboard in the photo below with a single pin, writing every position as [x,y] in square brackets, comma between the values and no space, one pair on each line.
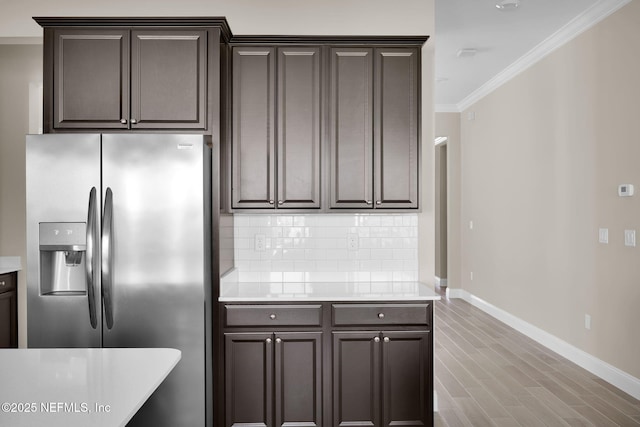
[624,381]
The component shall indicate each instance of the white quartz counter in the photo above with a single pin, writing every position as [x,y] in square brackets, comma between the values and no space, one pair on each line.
[9,264]
[79,387]
[325,291]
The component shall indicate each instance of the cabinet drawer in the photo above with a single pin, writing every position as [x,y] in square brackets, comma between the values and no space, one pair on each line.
[381,314]
[273,315]
[7,282]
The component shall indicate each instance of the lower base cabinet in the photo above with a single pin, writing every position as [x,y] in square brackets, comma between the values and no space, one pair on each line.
[339,365]
[381,378]
[273,379]
[8,310]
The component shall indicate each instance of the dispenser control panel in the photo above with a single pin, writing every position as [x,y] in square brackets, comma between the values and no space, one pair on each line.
[63,236]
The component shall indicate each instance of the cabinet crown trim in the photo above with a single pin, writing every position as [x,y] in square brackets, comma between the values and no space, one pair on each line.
[204,21]
[334,40]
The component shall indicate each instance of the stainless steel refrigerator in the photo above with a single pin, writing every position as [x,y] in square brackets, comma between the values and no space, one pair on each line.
[118,255]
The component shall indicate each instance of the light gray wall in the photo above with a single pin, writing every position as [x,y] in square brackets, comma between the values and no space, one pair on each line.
[20,67]
[541,164]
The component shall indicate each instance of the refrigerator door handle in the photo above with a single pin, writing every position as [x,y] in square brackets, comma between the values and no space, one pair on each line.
[89,258]
[107,253]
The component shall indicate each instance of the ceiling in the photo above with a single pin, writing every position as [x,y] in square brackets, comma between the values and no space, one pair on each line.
[506,41]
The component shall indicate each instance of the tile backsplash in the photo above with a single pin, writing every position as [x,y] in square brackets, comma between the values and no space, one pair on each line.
[326,248]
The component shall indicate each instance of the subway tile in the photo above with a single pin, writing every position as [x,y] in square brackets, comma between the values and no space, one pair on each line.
[293,254]
[304,265]
[282,265]
[293,276]
[348,265]
[381,276]
[315,254]
[284,220]
[326,265]
[391,265]
[382,253]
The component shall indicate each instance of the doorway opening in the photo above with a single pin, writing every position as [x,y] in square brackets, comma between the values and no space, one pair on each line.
[442,211]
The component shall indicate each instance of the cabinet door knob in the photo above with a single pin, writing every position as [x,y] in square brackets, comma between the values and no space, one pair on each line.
[272,316]
[123,121]
[268,340]
[386,339]
[1,283]
[278,340]
[368,202]
[270,202]
[376,339]
[378,202]
[134,121]
[380,315]
[280,202]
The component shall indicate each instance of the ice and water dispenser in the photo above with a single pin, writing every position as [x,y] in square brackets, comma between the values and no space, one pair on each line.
[63,248]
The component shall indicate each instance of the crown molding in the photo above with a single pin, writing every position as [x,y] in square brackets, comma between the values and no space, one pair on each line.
[575,27]
[336,40]
[447,108]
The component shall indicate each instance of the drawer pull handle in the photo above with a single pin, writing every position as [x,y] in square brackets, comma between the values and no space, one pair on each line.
[272,316]
[278,340]
[376,339]
[2,283]
[268,340]
[386,339]
[380,315]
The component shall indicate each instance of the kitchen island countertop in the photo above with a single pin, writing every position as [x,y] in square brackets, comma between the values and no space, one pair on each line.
[79,386]
[325,291]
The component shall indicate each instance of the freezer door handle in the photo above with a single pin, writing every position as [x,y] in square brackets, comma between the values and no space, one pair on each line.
[89,261]
[107,254]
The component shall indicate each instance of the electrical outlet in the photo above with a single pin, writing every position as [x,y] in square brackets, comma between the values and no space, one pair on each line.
[259,242]
[352,242]
[587,322]
[603,235]
[629,237]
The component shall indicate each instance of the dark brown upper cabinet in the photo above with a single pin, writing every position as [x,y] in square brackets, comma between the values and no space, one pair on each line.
[132,73]
[276,132]
[374,126]
[351,128]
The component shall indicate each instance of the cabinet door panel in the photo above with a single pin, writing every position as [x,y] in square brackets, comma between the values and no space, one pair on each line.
[299,127]
[91,78]
[248,379]
[350,134]
[396,128]
[407,384]
[356,379]
[298,379]
[253,127]
[168,79]
[8,320]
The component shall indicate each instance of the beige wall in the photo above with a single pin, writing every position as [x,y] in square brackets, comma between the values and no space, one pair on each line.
[541,164]
[20,66]
[448,125]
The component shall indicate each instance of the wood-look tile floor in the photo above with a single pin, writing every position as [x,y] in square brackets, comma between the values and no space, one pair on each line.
[489,374]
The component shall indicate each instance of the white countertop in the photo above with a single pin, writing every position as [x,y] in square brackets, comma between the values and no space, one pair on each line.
[9,264]
[325,291]
[79,387]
